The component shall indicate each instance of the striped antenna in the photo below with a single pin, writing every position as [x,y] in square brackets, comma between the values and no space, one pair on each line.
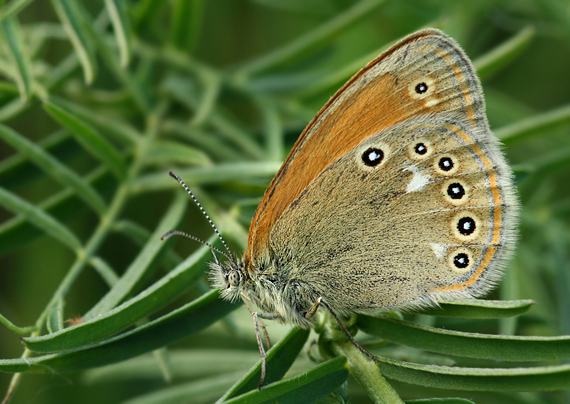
[181,233]
[229,255]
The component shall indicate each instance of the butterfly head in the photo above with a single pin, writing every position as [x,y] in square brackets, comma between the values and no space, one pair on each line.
[227,277]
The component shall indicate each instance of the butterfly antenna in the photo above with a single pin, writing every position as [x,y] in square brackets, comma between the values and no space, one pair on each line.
[181,233]
[229,255]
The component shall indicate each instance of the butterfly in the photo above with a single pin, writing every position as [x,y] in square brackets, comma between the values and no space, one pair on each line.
[396,196]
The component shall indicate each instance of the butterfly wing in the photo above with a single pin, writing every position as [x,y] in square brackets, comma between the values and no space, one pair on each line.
[367,195]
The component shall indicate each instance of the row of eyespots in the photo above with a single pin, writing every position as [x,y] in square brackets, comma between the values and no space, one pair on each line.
[465,225]
[445,165]
[373,156]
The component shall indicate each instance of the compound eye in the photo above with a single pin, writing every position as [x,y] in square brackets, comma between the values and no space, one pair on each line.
[234,278]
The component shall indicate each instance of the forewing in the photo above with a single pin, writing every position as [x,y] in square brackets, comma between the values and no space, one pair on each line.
[389,90]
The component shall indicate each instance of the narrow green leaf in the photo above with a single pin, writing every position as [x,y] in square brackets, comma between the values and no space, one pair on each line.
[18,330]
[140,265]
[74,23]
[19,231]
[483,346]
[502,55]
[278,361]
[207,175]
[311,40]
[476,379]
[55,318]
[121,26]
[166,152]
[116,129]
[93,142]
[21,69]
[308,387]
[52,166]
[183,91]
[186,23]
[192,363]
[17,167]
[476,308]
[13,8]
[143,304]
[178,324]
[136,232]
[11,109]
[40,219]
[535,126]
[206,141]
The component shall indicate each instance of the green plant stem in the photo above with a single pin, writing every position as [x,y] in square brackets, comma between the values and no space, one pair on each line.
[14,382]
[367,374]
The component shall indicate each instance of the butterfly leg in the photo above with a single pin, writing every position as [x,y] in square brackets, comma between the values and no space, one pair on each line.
[322,301]
[261,350]
[257,325]
[265,334]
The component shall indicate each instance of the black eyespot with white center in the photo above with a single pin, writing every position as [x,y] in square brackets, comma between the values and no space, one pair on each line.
[456,191]
[445,163]
[466,226]
[420,149]
[461,261]
[421,88]
[372,157]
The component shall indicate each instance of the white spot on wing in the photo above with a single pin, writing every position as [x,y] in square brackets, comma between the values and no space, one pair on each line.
[432,103]
[439,249]
[419,180]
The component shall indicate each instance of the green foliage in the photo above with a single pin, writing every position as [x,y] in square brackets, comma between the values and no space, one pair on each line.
[99,100]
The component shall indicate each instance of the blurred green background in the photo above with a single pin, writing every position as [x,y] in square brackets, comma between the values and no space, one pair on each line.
[220,90]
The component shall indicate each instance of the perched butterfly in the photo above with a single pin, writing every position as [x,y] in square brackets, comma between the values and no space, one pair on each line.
[396,196]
